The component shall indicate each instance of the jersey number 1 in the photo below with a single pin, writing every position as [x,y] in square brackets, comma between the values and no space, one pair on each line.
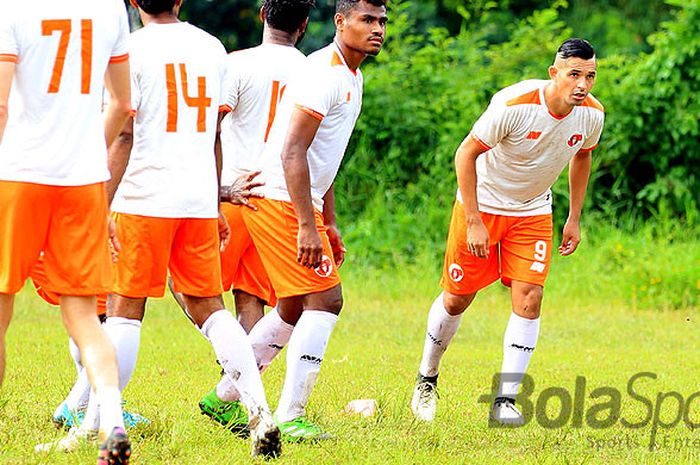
[277,94]
[201,102]
[64,26]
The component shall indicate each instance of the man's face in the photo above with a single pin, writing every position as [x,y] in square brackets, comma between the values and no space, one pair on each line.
[363,28]
[573,78]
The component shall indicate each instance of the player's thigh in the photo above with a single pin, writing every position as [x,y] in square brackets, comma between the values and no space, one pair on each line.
[194,260]
[142,267]
[239,242]
[274,229]
[25,212]
[526,250]
[77,257]
[464,273]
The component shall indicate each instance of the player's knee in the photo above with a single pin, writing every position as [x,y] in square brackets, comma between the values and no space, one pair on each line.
[456,304]
[531,302]
[329,301]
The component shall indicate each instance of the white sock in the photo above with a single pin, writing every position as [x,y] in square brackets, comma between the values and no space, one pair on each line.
[80,392]
[518,344]
[75,355]
[233,350]
[441,329]
[125,334]
[91,421]
[109,401]
[307,347]
[268,337]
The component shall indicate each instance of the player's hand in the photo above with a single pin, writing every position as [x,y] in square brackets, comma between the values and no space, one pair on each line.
[570,238]
[241,191]
[337,245]
[309,246]
[224,232]
[114,245]
[477,238]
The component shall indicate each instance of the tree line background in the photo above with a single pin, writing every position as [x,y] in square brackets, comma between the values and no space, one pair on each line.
[444,59]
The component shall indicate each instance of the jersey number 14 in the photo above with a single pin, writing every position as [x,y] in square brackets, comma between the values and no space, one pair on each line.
[201,102]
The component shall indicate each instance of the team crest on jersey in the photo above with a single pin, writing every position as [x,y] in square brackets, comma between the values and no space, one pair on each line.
[456,272]
[575,139]
[325,268]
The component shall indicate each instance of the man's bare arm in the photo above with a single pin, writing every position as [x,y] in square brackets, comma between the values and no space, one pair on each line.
[7,72]
[118,157]
[302,130]
[579,172]
[329,221]
[465,165]
[118,84]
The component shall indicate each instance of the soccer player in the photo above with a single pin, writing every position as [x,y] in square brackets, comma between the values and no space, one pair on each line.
[299,163]
[258,78]
[53,169]
[501,221]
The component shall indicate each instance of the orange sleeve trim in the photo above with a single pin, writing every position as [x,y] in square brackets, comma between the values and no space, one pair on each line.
[132,113]
[531,98]
[590,149]
[8,57]
[119,58]
[225,109]
[481,143]
[310,112]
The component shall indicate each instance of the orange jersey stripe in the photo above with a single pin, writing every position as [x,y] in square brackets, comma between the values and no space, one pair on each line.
[589,149]
[310,112]
[534,135]
[591,101]
[225,109]
[529,98]
[8,57]
[119,58]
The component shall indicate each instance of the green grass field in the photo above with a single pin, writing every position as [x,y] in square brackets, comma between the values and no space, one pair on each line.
[619,306]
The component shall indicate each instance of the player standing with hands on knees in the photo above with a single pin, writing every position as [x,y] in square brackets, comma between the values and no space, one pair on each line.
[501,224]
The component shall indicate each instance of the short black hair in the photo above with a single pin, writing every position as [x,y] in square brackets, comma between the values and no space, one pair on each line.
[156,7]
[287,15]
[344,6]
[577,48]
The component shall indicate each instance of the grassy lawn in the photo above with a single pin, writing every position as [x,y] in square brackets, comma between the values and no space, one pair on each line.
[618,307]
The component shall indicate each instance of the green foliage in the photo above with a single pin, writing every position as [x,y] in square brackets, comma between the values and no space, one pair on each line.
[423,94]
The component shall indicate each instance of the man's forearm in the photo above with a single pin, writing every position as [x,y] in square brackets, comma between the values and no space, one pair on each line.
[465,166]
[329,207]
[296,174]
[119,154]
[3,120]
[579,172]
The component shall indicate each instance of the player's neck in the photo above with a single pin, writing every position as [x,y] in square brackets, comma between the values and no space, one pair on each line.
[556,105]
[163,18]
[353,58]
[277,37]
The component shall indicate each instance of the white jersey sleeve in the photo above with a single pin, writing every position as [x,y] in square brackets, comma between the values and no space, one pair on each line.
[492,126]
[317,93]
[8,42]
[596,130]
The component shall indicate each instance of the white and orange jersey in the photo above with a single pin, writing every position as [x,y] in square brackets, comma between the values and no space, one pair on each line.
[258,78]
[62,49]
[178,79]
[528,147]
[327,89]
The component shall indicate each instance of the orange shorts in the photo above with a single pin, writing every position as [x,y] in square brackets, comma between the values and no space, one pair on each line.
[69,224]
[241,266]
[188,247]
[273,228]
[41,284]
[524,244]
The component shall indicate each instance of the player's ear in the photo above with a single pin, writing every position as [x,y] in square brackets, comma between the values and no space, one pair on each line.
[262,14]
[339,20]
[553,70]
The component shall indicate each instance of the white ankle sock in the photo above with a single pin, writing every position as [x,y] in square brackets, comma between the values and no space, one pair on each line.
[441,329]
[268,337]
[518,344]
[233,350]
[109,400]
[307,347]
[125,334]
[91,421]
[80,392]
